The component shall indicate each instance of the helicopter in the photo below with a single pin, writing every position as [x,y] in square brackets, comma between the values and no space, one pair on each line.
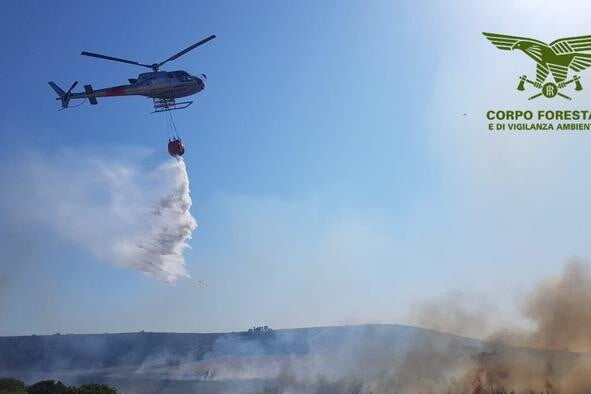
[164,87]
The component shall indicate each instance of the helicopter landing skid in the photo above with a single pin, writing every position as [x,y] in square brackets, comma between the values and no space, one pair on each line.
[163,105]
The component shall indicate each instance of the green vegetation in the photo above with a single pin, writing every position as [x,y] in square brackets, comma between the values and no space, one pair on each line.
[14,386]
[259,330]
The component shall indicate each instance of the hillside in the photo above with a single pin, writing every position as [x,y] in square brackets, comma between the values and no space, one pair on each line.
[336,357]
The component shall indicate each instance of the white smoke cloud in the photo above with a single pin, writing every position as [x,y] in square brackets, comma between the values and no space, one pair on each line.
[117,209]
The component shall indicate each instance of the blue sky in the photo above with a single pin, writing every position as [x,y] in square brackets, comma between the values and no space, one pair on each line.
[333,177]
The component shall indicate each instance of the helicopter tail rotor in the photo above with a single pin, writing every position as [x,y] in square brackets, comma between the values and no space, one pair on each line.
[63,96]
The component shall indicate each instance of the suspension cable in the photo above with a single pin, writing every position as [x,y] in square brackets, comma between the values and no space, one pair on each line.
[176,133]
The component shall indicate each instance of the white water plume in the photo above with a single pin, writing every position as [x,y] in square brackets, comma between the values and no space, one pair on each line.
[111,205]
[158,249]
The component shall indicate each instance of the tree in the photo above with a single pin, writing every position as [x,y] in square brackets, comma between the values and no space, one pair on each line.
[12,386]
[94,389]
[48,387]
[15,386]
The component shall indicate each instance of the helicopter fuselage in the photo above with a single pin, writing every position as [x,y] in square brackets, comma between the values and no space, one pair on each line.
[159,84]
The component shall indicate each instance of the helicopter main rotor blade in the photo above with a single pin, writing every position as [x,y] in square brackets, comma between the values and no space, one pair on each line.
[98,55]
[181,53]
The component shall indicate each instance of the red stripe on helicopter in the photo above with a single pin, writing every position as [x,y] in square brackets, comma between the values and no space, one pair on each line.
[116,92]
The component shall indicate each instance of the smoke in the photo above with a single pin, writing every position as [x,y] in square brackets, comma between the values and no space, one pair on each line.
[546,355]
[560,308]
[538,357]
[456,313]
[373,358]
[559,311]
[109,204]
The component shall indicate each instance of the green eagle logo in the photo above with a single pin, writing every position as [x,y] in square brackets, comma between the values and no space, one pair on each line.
[555,58]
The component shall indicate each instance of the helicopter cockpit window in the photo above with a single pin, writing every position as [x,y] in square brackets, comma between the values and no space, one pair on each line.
[182,76]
